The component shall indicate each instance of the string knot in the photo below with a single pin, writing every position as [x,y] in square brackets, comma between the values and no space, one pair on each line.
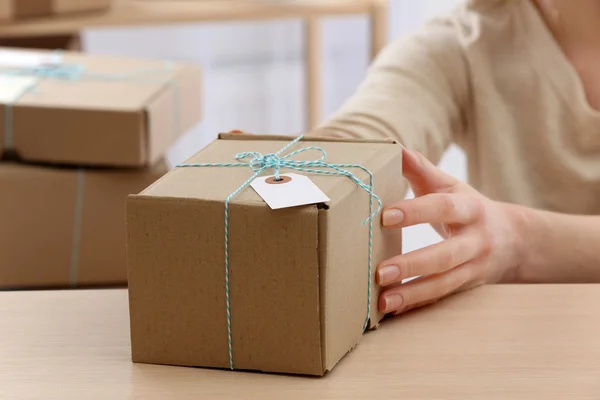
[272,161]
[259,162]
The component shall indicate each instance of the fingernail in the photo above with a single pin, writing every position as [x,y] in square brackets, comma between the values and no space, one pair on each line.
[392,217]
[388,274]
[392,302]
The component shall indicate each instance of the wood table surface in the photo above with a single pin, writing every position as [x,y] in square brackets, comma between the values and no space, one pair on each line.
[496,342]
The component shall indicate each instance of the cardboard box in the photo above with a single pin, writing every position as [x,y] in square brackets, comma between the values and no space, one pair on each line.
[298,277]
[101,111]
[65,227]
[48,42]
[23,9]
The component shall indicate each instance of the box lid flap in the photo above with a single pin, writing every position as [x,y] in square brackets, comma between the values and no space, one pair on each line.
[217,182]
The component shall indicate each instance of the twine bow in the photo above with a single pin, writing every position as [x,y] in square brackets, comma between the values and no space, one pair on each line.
[259,163]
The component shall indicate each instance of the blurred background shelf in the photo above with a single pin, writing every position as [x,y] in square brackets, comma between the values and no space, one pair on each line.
[63,32]
[152,12]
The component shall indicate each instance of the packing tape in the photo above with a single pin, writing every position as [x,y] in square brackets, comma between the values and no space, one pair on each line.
[259,163]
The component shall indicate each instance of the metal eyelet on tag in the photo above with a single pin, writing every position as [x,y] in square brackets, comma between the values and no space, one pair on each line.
[282,179]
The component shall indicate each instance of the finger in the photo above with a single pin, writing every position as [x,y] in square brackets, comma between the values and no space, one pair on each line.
[426,289]
[237,132]
[423,176]
[435,208]
[467,286]
[417,305]
[435,259]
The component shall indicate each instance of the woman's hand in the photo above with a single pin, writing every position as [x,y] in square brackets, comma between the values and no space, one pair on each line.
[481,243]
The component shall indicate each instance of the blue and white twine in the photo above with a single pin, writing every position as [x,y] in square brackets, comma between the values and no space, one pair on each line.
[259,163]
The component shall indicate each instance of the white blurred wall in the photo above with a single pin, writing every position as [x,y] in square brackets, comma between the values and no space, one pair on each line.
[253,73]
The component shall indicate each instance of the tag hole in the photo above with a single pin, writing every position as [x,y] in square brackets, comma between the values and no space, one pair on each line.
[282,179]
[323,206]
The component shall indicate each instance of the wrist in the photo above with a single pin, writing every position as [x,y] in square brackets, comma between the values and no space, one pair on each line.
[531,231]
[513,253]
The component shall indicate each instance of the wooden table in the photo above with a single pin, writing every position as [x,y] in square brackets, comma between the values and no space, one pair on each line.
[496,342]
[159,12]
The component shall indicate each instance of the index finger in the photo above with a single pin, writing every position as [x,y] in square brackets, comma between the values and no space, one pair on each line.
[440,208]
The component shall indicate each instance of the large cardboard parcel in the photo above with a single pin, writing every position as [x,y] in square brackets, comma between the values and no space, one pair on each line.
[298,277]
[65,227]
[93,109]
[22,9]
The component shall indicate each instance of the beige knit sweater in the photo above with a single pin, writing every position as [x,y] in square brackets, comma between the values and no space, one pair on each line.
[491,78]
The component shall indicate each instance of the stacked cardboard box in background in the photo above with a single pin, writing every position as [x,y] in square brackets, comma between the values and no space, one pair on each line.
[24,9]
[78,133]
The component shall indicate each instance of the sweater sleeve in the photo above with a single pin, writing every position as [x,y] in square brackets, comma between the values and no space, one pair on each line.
[416,92]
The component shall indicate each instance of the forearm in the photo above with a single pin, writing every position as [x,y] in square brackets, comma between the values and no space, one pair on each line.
[559,248]
[416,93]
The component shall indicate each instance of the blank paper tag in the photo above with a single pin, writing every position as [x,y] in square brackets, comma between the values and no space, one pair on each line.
[28,59]
[12,87]
[294,190]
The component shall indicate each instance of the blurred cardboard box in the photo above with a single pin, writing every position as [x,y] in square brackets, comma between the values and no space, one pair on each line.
[65,227]
[23,9]
[298,277]
[47,42]
[78,109]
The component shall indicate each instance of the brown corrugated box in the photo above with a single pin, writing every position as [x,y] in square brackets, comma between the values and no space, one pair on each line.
[49,42]
[120,112]
[298,276]
[22,9]
[65,227]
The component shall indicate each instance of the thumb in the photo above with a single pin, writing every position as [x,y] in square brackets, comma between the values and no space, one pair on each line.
[423,176]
